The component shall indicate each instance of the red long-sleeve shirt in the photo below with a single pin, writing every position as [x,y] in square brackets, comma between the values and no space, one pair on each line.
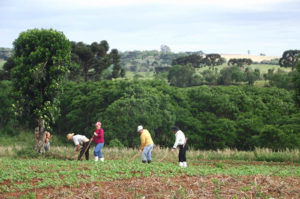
[99,137]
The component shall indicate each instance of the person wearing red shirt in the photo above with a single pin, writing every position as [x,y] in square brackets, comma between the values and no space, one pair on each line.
[99,141]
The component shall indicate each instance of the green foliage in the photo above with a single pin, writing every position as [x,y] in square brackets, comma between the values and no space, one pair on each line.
[194,60]
[41,59]
[252,76]
[211,117]
[282,79]
[271,62]
[139,105]
[8,119]
[297,84]
[116,144]
[230,75]
[181,76]
[26,153]
[210,76]
[213,60]
[239,62]
[289,58]
[145,61]
[94,61]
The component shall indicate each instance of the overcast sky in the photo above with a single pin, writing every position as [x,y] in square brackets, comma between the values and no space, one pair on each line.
[213,26]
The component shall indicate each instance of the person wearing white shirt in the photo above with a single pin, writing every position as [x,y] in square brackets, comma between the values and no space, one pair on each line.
[181,143]
[80,140]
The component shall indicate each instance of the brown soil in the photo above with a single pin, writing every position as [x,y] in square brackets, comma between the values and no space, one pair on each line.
[213,186]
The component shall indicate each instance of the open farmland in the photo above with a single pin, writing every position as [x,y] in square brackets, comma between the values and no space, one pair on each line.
[54,176]
[255,58]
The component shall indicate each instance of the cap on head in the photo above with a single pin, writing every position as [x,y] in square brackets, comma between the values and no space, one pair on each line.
[175,128]
[98,124]
[140,127]
[69,136]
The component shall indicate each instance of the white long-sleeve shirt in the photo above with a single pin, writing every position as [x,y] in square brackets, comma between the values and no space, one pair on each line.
[180,139]
[79,139]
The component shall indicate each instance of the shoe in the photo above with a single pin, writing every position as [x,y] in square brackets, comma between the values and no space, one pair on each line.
[184,164]
[96,158]
[181,164]
[102,159]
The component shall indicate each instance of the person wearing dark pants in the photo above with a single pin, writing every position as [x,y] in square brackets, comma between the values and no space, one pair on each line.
[181,143]
[182,152]
[80,140]
[87,154]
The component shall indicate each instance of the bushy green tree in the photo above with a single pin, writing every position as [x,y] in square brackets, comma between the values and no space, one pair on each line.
[239,62]
[289,58]
[41,59]
[211,117]
[181,76]
[251,76]
[282,79]
[213,60]
[210,77]
[140,105]
[230,75]
[195,60]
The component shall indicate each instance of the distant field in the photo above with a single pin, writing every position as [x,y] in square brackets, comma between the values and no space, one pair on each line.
[262,67]
[255,58]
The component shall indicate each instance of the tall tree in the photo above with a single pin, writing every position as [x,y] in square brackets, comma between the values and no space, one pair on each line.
[116,63]
[181,76]
[82,55]
[41,59]
[213,60]
[289,58]
[239,62]
[195,60]
[94,59]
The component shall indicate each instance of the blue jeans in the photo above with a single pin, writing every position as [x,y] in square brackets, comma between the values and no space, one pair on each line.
[146,154]
[98,148]
[47,146]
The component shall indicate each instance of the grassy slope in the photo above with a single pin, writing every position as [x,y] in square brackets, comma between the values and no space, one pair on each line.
[262,67]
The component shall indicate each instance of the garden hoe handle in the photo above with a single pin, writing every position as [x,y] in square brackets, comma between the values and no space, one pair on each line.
[164,156]
[87,147]
[134,156]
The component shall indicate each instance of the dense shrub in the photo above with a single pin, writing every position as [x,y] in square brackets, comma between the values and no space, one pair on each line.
[241,117]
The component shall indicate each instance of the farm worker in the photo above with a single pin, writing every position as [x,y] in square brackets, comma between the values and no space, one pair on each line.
[146,144]
[80,140]
[46,139]
[99,142]
[181,143]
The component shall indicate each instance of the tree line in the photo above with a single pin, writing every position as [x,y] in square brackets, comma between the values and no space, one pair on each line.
[240,117]
[40,92]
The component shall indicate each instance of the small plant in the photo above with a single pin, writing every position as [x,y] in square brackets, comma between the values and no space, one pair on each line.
[116,143]
[219,165]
